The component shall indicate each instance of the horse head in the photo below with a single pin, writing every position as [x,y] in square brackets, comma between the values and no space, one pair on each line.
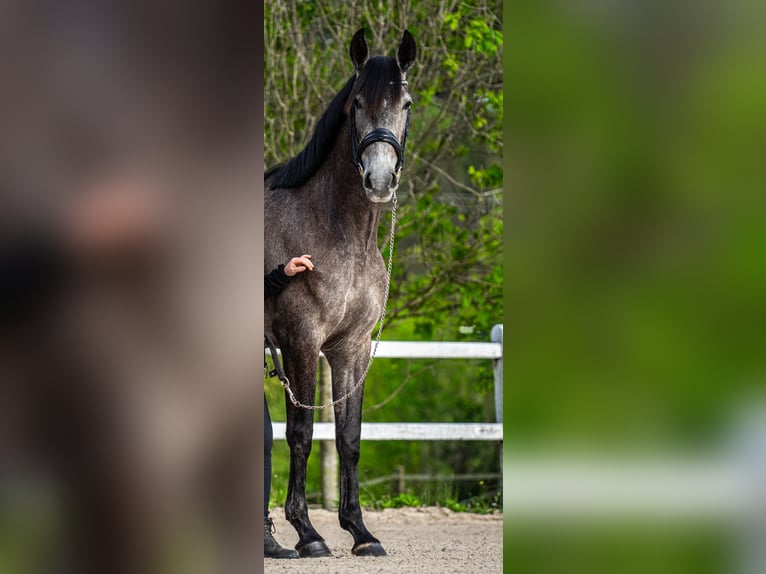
[379,115]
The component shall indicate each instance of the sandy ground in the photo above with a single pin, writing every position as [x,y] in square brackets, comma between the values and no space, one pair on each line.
[420,540]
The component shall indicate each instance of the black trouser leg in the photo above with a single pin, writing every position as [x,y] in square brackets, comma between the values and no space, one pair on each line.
[268,440]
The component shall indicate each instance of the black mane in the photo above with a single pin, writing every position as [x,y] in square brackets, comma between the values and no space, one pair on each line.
[379,77]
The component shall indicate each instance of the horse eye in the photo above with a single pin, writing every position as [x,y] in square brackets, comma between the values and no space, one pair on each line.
[407,105]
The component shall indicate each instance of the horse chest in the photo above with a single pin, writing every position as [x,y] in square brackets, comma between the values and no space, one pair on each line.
[359,291]
[350,299]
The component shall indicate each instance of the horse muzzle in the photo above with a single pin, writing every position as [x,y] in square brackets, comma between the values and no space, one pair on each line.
[380,184]
[380,178]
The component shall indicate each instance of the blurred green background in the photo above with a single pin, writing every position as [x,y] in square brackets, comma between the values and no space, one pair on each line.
[635,272]
[635,268]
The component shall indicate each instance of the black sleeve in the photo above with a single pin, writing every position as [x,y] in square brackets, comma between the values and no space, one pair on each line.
[275,282]
[33,271]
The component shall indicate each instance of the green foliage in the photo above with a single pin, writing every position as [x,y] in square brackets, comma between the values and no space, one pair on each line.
[444,495]
[400,500]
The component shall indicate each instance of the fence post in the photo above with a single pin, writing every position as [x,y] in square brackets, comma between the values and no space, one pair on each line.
[400,479]
[496,336]
[328,452]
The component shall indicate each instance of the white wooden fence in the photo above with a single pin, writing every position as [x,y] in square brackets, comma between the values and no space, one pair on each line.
[324,431]
[492,431]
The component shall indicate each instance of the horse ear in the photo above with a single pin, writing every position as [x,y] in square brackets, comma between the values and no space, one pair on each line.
[358,49]
[406,54]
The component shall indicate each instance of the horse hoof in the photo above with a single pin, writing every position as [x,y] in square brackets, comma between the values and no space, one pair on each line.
[369,549]
[315,549]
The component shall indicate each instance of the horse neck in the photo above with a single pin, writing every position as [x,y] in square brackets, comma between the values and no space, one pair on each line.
[340,186]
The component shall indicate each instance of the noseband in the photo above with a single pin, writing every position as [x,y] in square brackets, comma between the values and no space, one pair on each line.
[376,135]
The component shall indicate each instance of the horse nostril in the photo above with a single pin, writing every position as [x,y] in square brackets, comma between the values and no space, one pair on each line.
[367,181]
[393,181]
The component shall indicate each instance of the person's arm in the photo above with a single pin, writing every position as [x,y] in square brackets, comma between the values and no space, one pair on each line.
[275,282]
[278,279]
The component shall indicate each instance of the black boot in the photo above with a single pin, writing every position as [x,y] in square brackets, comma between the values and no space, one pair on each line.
[271,548]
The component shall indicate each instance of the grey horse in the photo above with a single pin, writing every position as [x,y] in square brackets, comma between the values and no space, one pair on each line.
[327,201]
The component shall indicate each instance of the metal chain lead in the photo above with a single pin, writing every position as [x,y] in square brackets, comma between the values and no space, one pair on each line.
[286,382]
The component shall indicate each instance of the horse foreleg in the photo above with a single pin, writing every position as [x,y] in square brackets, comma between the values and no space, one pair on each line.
[348,430]
[300,430]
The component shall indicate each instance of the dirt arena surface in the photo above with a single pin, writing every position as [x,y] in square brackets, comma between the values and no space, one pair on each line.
[420,540]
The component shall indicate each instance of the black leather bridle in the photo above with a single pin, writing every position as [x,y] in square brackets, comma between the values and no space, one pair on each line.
[376,135]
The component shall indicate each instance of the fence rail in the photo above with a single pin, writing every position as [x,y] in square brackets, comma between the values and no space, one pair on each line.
[439,350]
[409,431]
[558,488]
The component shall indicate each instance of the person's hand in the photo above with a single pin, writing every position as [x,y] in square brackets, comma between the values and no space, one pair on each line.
[113,217]
[298,265]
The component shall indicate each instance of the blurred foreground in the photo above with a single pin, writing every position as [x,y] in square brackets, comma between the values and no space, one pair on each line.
[129,287]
